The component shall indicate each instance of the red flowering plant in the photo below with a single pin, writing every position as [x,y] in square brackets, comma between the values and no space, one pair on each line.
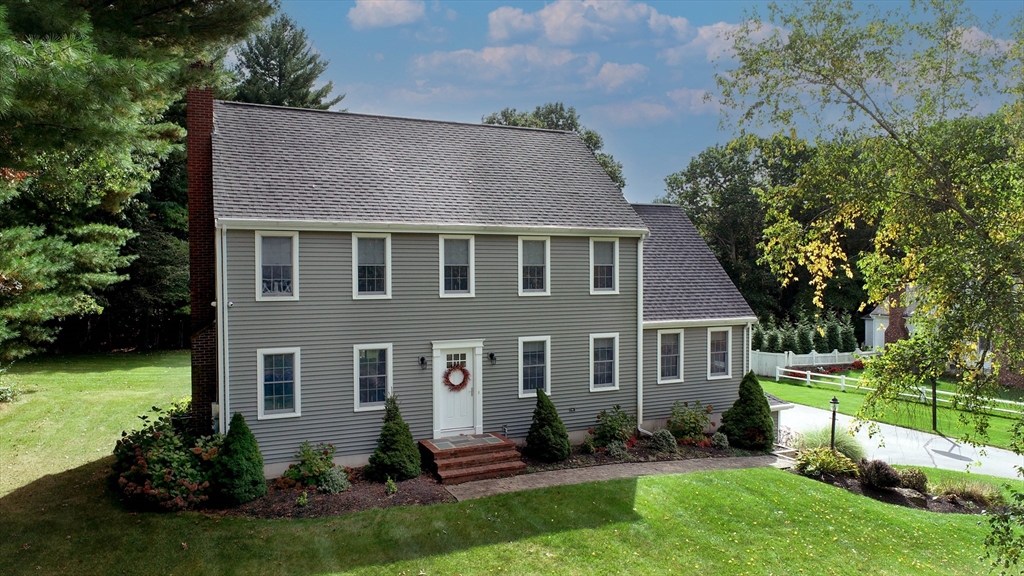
[857,365]
[688,422]
[313,466]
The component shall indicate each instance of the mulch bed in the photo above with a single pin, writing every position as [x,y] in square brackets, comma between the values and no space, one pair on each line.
[941,504]
[641,452]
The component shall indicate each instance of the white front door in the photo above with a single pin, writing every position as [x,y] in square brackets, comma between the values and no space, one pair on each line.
[457,398]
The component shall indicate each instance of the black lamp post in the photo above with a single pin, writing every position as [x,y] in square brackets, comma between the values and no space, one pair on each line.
[835,406]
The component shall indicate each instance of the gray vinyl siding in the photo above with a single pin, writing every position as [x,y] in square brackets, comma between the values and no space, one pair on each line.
[326,323]
[720,394]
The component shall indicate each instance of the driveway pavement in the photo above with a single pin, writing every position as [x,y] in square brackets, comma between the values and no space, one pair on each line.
[910,447]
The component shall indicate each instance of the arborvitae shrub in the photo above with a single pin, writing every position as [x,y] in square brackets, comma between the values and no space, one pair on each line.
[804,339]
[663,441]
[833,334]
[748,424]
[878,474]
[848,339]
[396,455]
[757,338]
[240,465]
[772,341]
[819,340]
[789,340]
[547,440]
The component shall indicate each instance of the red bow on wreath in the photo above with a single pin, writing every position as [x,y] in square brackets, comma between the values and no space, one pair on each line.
[446,378]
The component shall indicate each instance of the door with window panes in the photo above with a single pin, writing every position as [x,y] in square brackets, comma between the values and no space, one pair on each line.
[457,406]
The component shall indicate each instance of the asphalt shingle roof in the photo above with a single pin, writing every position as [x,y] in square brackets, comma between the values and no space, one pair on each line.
[682,278]
[294,164]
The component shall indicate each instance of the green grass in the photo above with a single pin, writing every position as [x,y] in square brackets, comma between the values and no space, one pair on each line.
[756,521]
[909,415]
[74,408]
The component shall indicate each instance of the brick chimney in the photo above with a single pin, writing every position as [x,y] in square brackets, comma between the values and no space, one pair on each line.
[896,330]
[202,256]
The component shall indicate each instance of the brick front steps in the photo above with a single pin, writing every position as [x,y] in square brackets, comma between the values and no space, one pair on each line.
[471,457]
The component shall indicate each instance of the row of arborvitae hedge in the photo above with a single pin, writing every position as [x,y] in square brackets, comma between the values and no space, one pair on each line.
[747,424]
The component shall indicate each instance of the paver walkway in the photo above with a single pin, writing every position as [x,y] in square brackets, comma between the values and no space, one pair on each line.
[482,488]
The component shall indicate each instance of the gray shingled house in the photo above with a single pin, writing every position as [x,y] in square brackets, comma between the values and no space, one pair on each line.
[340,258]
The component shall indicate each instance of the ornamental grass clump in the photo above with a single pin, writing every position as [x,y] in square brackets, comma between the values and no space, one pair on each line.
[239,468]
[818,462]
[749,424]
[822,438]
[396,455]
[547,439]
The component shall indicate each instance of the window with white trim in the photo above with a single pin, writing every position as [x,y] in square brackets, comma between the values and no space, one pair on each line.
[277,256]
[670,356]
[719,352]
[604,266]
[372,376]
[371,265]
[604,362]
[278,386]
[534,365]
[457,274]
[534,268]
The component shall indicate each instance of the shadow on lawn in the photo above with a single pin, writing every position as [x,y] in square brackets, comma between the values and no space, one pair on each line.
[71,523]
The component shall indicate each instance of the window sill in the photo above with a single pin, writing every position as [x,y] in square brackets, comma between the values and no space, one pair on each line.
[371,296]
[595,292]
[524,293]
[719,376]
[532,394]
[278,416]
[262,298]
[675,381]
[458,295]
[374,408]
[604,388]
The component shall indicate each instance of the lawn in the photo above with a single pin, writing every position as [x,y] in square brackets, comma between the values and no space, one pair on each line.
[75,407]
[56,515]
[910,415]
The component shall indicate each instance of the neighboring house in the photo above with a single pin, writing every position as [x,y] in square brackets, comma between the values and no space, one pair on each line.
[340,258]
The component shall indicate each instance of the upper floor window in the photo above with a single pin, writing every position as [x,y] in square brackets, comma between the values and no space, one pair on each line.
[534,255]
[719,352]
[371,265]
[604,362]
[670,356]
[534,365]
[372,376]
[277,260]
[278,387]
[457,274]
[604,266]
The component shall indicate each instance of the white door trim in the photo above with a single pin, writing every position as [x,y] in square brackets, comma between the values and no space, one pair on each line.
[476,384]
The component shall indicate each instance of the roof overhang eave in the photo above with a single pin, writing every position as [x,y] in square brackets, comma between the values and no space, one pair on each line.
[423,228]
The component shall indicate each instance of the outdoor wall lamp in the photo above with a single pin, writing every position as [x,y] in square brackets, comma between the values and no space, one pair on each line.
[835,406]
[423,362]
[493,358]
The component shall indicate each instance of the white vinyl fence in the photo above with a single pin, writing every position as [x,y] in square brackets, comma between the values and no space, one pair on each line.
[765,363]
[841,381]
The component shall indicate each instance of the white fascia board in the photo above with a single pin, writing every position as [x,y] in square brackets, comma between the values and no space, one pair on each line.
[446,228]
[703,323]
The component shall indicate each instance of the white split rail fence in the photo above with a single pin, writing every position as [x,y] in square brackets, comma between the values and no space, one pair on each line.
[841,381]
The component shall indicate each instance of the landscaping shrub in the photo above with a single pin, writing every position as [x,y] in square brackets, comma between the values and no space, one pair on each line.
[159,467]
[789,341]
[334,481]
[588,445]
[772,341]
[822,438]
[663,441]
[804,339]
[820,461]
[757,338]
[878,474]
[848,339]
[857,365]
[547,439]
[686,422]
[614,426]
[239,467]
[749,424]
[820,341]
[617,450]
[396,455]
[915,479]
[719,440]
[833,335]
[9,391]
[974,490]
[314,463]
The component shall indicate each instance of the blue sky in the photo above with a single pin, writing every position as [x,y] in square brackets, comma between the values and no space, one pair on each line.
[635,71]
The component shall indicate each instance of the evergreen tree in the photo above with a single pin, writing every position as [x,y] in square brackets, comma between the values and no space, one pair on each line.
[396,456]
[240,465]
[278,66]
[555,116]
[749,424]
[547,440]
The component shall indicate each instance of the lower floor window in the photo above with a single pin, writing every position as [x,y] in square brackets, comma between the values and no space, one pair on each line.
[604,353]
[279,382]
[718,352]
[534,365]
[373,375]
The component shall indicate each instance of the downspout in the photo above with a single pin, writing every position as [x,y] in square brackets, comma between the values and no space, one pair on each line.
[640,336]
[222,305]
[748,334]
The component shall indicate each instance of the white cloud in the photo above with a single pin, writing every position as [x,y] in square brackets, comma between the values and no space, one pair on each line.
[976,39]
[568,22]
[612,75]
[633,113]
[509,63]
[385,13]
[713,41]
[695,101]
